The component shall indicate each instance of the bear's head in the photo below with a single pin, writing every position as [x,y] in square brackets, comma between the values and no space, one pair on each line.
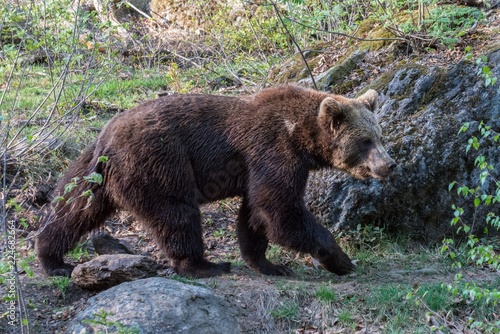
[351,136]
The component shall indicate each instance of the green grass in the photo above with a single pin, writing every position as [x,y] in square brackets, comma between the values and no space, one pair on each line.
[78,253]
[186,280]
[27,93]
[401,308]
[59,282]
[325,294]
[126,93]
[345,318]
[288,310]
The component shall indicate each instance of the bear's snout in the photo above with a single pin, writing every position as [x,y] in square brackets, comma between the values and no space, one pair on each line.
[384,170]
[381,165]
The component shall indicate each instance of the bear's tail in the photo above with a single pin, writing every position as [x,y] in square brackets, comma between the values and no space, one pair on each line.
[80,205]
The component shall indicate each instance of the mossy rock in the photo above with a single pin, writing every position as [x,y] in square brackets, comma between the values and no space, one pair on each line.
[364,27]
[377,33]
[336,75]
[292,70]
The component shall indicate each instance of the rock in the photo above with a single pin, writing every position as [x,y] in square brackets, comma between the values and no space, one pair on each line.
[105,271]
[118,10]
[337,74]
[422,110]
[105,244]
[41,195]
[155,305]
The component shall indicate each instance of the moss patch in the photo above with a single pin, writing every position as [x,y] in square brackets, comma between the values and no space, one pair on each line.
[379,32]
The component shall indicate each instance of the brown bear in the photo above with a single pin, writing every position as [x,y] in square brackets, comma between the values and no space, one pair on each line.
[167,156]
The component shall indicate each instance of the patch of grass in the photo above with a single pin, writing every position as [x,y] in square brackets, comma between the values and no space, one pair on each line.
[436,297]
[288,310]
[345,318]
[59,282]
[79,252]
[186,280]
[26,262]
[32,90]
[326,294]
[128,92]
[274,253]
[124,93]
[377,252]
[402,308]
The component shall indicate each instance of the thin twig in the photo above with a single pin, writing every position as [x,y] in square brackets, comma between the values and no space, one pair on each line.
[139,11]
[347,35]
[276,10]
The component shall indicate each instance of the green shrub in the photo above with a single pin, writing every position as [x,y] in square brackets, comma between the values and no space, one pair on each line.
[484,191]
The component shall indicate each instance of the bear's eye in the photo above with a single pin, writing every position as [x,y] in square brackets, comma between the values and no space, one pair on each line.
[366,142]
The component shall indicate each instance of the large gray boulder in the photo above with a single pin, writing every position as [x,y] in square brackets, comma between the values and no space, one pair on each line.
[422,110]
[155,305]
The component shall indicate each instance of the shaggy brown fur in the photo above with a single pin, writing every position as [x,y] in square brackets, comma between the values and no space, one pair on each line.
[168,156]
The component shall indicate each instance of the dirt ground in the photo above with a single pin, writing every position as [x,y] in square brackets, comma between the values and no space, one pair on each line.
[254,296]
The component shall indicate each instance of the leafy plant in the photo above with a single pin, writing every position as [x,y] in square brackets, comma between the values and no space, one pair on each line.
[25,264]
[484,192]
[220,232]
[60,282]
[448,23]
[115,326]
[484,70]
[79,252]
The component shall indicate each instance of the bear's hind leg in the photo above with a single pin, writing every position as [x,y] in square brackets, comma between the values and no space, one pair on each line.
[166,204]
[253,245]
[65,227]
[177,228]
[159,188]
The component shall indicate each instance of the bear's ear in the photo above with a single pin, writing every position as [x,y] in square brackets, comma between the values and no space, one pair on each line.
[369,99]
[331,114]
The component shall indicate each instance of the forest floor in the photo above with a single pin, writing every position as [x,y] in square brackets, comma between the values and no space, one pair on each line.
[398,287]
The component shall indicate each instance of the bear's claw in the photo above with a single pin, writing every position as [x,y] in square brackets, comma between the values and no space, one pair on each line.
[65,270]
[202,269]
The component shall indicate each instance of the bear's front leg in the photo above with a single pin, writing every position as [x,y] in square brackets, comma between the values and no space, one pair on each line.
[294,227]
[330,255]
[276,207]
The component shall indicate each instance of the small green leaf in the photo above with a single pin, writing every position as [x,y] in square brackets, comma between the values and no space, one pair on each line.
[68,187]
[103,159]
[450,186]
[94,178]
[464,127]
[57,199]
